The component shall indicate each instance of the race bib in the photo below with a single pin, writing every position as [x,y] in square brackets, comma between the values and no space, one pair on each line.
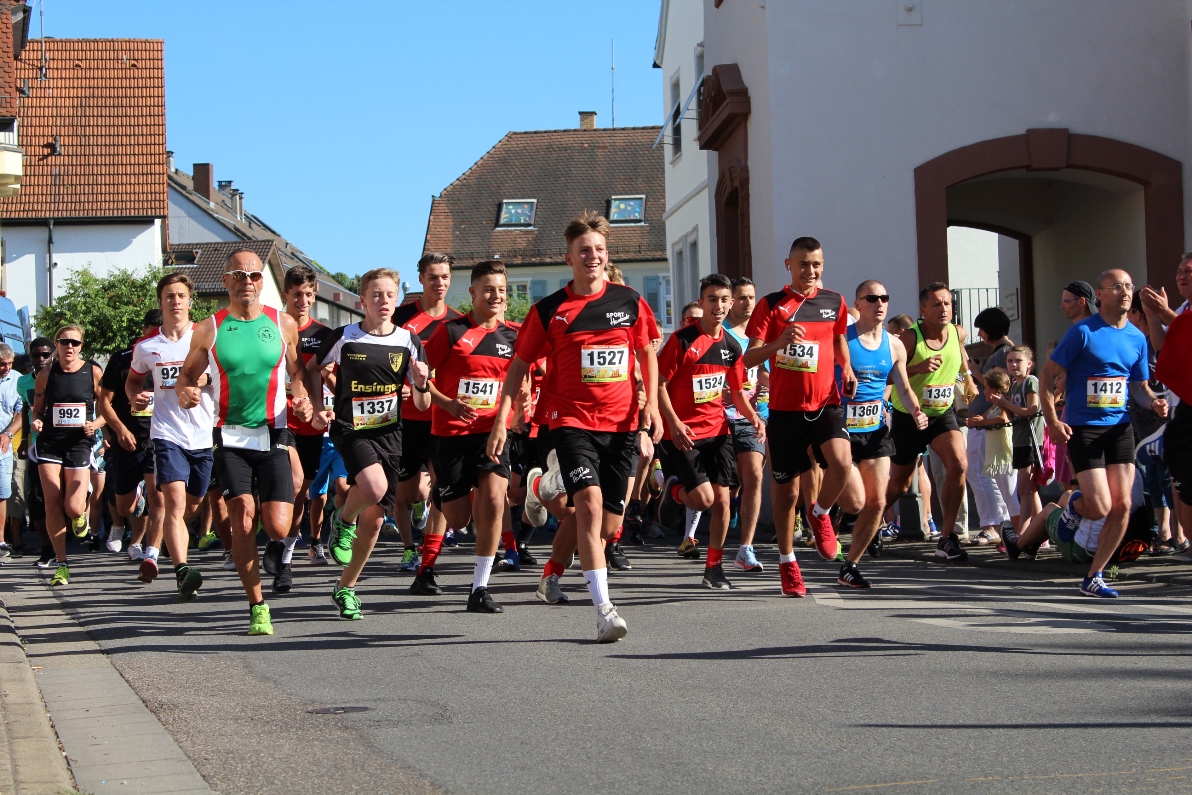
[328,400]
[802,357]
[241,438]
[864,417]
[166,373]
[750,381]
[479,393]
[707,387]
[604,364]
[70,415]
[375,412]
[1106,393]
[936,396]
[145,412]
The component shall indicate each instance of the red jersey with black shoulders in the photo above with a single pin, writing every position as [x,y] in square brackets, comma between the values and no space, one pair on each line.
[592,341]
[470,362]
[697,369]
[310,338]
[421,325]
[802,375]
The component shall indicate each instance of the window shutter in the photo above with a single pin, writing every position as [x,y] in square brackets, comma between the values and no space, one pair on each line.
[652,294]
[537,289]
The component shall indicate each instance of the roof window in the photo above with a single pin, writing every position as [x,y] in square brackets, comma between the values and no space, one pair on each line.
[627,209]
[517,213]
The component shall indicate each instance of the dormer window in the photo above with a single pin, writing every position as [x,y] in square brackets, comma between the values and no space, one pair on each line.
[517,213]
[627,209]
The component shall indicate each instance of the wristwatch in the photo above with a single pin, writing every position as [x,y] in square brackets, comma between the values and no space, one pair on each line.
[423,389]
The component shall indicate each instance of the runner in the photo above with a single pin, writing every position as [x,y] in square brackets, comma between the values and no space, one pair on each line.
[1102,358]
[371,360]
[878,359]
[1076,301]
[937,363]
[595,332]
[470,356]
[697,366]
[801,331]
[41,354]
[65,423]
[421,318]
[181,436]
[247,348]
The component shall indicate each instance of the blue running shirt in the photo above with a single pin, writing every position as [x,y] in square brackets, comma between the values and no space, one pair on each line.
[866,411]
[1101,361]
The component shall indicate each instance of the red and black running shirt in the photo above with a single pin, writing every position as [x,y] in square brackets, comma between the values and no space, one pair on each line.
[310,338]
[592,341]
[470,362]
[421,325]
[802,375]
[697,369]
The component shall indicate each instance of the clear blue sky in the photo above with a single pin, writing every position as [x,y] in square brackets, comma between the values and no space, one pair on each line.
[339,121]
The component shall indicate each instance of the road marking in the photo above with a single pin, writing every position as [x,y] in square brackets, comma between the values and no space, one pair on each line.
[875,786]
[1028,626]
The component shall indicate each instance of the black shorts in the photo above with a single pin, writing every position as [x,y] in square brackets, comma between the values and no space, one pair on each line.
[415,447]
[269,470]
[360,452]
[544,443]
[790,433]
[128,469]
[310,452]
[523,454]
[1025,457]
[910,442]
[875,444]
[1177,441]
[69,455]
[710,461]
[460,461]
[605,459]
[35,500]
[1099,446]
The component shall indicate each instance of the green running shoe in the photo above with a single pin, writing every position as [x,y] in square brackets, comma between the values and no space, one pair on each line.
[207,541]
[342,536]
[348,603]
[61,575]
[189,582]
[79,527]
[259,622]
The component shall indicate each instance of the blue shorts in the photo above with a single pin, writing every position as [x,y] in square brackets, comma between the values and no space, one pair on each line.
[6,476]
[172,463]
[331,466]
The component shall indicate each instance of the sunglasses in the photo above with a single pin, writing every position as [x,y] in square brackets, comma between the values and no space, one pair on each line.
[70,342]
[240,276]
[873,299]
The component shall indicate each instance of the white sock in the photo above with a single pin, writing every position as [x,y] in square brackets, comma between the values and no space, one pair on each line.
[786,558]
[151,552]
[287,554]
[817,510]
[597,580]
[484,566]
[692,521]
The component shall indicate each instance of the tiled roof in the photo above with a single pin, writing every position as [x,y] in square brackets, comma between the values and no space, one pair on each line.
[104,101]
[567,171]
[209,260]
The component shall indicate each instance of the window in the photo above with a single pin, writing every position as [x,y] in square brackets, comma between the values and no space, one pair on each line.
[676,120]
[519,289]
[627,209]
[679,268]
[517,213]
[658,296]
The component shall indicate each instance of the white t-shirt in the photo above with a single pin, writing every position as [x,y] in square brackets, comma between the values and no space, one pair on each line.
[190,429]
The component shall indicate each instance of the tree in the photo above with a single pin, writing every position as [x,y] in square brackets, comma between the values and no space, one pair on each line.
[519,307]
[110,308]
[352,283]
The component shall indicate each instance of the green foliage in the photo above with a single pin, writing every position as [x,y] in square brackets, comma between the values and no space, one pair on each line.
[350,282]
[519,307]
[110,308]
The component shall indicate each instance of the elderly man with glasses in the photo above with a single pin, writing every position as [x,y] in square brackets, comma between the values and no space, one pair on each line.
[10,421]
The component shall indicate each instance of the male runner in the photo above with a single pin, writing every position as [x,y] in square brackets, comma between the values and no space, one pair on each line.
[878,359]
[1103,358]
[596,332]
[247,348]
[937,362]
[1076,301]
[470,356]
[371,361]
[697,366]
[801,331]
[421,318]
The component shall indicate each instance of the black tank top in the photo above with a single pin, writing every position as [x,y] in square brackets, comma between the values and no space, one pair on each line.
[69,402]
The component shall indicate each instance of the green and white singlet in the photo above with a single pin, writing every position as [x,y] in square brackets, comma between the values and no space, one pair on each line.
[248,374]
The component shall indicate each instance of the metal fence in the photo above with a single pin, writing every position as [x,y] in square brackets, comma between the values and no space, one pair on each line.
[967,303]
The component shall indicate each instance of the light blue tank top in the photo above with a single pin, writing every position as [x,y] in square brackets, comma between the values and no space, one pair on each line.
[865,412]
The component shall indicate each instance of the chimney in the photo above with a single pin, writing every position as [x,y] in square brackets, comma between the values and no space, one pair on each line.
[238,203]
[224,186]
[169,160]
[204,179]
[587,120]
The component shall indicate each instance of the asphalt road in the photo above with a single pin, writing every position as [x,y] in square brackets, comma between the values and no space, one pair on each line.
[941,679]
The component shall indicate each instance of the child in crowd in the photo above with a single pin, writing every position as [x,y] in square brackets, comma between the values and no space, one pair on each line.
[1023,405]
[999,451]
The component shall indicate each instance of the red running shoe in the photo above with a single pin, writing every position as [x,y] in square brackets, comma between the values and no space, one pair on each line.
[792,579]
[825,537]
[148,570]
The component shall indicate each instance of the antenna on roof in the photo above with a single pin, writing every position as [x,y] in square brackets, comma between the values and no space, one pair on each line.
[613,73]
[42,6]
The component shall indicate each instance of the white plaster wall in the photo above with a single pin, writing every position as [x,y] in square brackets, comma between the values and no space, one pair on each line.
[190,223]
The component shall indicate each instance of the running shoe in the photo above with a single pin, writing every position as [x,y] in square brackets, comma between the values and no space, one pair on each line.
[479,601]
[1095,586]
[208,540]
[259,621]
[689,549]
[933,532]
[410,560]
[229,563]
[5,550]
[1069,521]
[524,557]
[535,511]
[284,579]
[610,627]
[734,507]
[342,536]
[189,582]
[890,531]
[792,579]
[94,543]
[550,592]
[617,559]
[424,584]
[747,561]
[47,559]
[949,549]
[348,603]
[317,554]
[115,541]
[1011,538]
[449,539]
[825,536]
[148,570]
[79,526]
[633,530]
[62,576]
[271,560]
[136,553]
[389,528]
[669,509]
[877,546]
[850,576]
[1031,552]
[419,513]
[715,580]
[512,559]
